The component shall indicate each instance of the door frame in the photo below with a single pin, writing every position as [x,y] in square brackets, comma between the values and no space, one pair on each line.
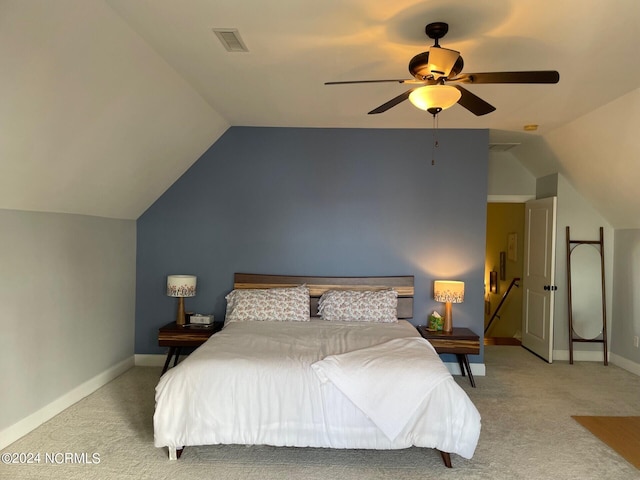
[515,199]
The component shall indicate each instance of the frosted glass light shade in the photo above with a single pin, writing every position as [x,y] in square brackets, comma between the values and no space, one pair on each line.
[435,96]
[181,285]
[448,291]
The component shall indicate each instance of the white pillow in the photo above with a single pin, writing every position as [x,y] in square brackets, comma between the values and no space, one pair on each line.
[269,305]
[359,306]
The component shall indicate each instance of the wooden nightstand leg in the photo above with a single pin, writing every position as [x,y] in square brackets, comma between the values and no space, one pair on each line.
[166,363]
[466,364]
[175,362]
[461,358]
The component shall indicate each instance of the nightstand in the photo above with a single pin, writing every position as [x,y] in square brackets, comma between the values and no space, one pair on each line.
[175,337]
[461,342]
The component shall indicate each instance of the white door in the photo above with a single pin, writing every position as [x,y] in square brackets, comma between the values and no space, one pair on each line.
[539,276]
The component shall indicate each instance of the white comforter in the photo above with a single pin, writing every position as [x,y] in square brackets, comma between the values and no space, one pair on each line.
[253,383]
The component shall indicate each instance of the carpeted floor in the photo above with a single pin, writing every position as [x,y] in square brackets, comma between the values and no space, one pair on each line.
[527,433]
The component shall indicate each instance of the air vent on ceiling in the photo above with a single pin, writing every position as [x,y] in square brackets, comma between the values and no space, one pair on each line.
[230,39]
[501,147]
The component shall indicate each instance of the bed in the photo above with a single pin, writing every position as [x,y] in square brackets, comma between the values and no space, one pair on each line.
[343,370]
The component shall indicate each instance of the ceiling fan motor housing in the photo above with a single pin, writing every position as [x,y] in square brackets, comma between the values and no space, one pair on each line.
[436,30]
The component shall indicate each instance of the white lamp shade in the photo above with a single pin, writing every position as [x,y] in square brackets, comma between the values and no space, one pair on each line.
[435,96]
[181,285]
[441,61]
[448,291]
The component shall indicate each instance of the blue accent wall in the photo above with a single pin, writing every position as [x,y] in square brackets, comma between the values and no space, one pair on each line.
[312,201]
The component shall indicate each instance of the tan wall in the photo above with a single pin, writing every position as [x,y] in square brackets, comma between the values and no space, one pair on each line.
[502,220]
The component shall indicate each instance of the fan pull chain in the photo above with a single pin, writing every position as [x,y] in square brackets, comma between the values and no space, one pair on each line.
[435,139]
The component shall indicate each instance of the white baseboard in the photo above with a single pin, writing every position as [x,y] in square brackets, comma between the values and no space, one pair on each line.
[584,356]
[143,360]
[477,369]
[622,362]
[579,356]
[33,421]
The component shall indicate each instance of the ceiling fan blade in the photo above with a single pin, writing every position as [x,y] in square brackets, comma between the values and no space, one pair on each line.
[541,76]
[473,103]
[366,81]
[392,103]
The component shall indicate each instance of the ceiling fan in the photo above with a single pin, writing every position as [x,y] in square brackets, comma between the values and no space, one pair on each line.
[434,70]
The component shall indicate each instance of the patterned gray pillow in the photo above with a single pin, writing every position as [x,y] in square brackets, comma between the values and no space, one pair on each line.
[359,306]
[269,305]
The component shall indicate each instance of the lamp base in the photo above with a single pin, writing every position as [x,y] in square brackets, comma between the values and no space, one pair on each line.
[447,325]
[180,318]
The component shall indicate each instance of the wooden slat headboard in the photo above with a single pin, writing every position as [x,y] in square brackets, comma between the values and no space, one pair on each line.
[318,285]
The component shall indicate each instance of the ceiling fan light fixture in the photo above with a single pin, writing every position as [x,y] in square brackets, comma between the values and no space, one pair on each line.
[435,96]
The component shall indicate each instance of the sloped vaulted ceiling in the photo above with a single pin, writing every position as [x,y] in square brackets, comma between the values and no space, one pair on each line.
[599,153]
[93,120]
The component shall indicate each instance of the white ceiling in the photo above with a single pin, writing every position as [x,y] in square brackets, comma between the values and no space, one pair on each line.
[126,94]
[295,46]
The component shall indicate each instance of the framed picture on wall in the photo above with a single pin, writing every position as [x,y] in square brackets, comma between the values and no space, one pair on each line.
[512,247]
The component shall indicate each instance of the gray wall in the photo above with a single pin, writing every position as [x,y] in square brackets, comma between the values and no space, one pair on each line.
[318,202]
[67,295]
[626,300]
[584,223]
[507,176]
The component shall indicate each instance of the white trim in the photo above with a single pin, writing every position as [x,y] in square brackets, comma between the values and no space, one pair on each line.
[478,369]
[594,356]
[510,198]
[579,355]
[33,421]
[625,363]
[144,360]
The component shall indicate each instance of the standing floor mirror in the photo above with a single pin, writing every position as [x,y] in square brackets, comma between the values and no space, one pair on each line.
[586,292]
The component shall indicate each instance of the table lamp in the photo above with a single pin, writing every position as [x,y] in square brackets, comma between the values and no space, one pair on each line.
[181,286]
[448,291]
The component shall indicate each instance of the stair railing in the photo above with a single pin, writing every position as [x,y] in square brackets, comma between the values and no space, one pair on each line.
[514,282]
